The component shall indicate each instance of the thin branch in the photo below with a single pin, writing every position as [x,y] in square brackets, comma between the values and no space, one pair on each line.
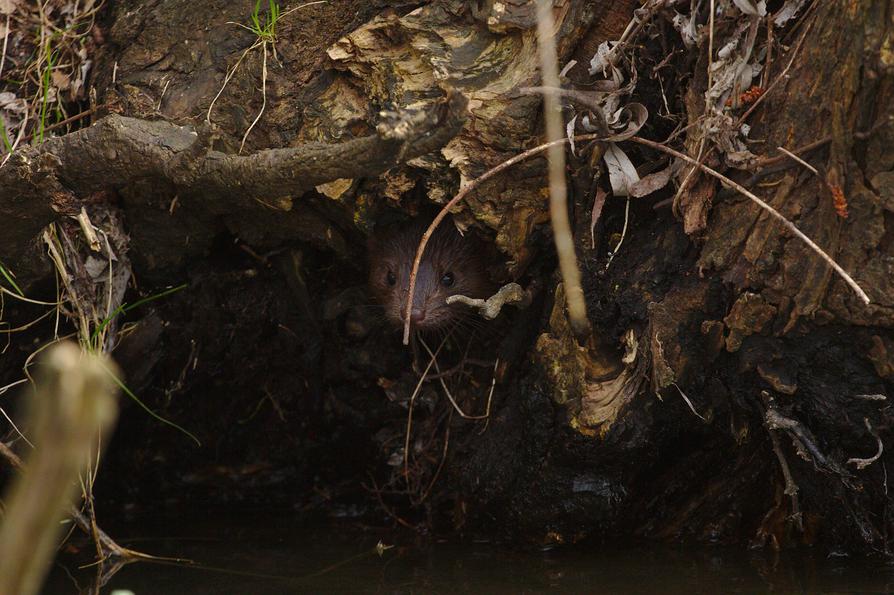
[447,392]
[776,214]
[798,159]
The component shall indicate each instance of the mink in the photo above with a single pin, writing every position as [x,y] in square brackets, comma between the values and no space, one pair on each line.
[451,264]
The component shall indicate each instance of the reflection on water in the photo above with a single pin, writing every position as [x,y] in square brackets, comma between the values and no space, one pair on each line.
[267,556]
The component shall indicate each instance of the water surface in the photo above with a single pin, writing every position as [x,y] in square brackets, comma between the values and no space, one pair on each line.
[267,556]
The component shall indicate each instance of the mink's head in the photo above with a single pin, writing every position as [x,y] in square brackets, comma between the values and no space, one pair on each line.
[451,265]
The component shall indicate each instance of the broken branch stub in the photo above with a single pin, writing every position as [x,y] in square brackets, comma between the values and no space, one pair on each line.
[511,293]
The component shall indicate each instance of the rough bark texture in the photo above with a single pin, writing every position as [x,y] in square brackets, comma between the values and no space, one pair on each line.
[715,363]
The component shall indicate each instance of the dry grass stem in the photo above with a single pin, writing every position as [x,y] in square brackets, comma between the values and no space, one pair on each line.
[447,392]
[431,363]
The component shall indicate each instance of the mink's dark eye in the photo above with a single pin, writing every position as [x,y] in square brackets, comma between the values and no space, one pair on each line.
[391,278]
[447,280]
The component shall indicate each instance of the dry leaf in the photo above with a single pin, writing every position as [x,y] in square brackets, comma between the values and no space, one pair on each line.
[7,6]
[621,172]
[652,182]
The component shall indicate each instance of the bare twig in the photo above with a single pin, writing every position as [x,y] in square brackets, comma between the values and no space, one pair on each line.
[437,474]
[5,43]
[791,488]
[227,79]
[511,293]
[798,159]
[863,463]
[776,81]
[490,395]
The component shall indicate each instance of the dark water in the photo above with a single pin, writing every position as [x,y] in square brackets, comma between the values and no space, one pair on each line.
[237,555]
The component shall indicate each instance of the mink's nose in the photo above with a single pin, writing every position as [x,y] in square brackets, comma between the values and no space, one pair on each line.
[417,316]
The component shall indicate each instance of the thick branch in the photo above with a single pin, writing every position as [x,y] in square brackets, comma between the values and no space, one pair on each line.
[118,152]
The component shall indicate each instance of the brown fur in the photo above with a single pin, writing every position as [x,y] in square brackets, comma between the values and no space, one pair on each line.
[446,252]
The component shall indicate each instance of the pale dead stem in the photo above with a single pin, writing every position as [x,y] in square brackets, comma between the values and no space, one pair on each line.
[798,159]
[437,474]
[623,233]
[708,108]
[5,43]
[689,403]
[782,75]
[263,97]
[558,193]
[230,74]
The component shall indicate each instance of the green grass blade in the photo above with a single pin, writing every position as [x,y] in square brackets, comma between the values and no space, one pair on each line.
[161,294]
[136,399]
[128,307]
[7,146]
[9,279]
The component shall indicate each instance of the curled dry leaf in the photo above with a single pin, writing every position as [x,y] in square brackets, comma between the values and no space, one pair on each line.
[686,27]
[603,61]
[631,118]
[7,7]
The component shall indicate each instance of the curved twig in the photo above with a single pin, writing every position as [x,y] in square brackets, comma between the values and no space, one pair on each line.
[776,214]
